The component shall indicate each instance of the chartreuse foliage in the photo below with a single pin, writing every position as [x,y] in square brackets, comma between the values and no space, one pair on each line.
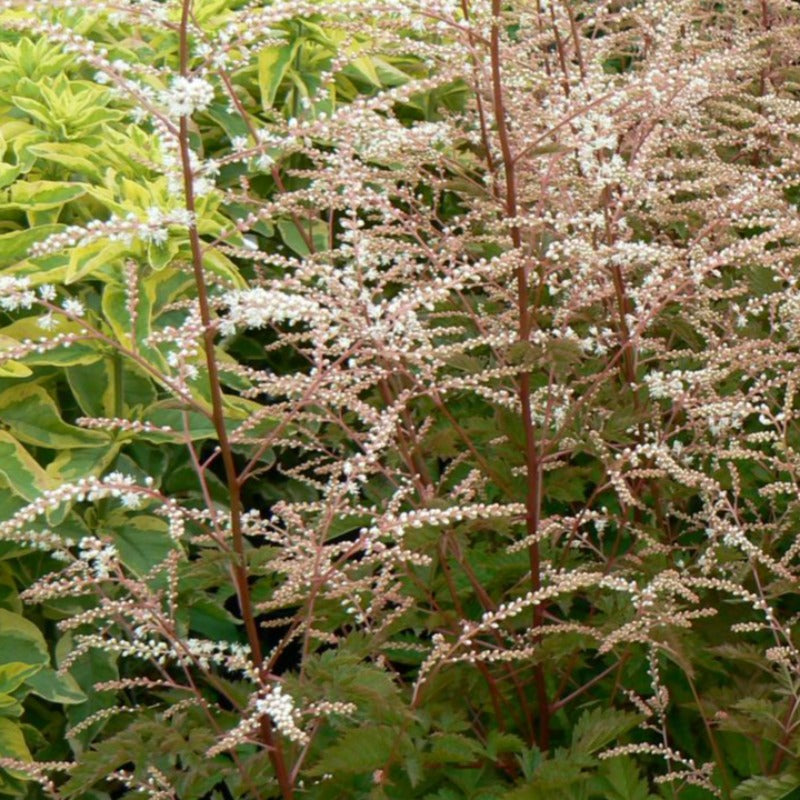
[397,400]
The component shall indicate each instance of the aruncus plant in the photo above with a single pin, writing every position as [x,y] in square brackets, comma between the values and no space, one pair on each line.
[398,399]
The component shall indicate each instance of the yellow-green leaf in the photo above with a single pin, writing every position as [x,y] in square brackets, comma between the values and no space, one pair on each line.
[15,246]
[74,156]
[33,418]
[273,64]
[70,465]
[24,475]
[12,742]
[40,195]
[21,642]
[14,673]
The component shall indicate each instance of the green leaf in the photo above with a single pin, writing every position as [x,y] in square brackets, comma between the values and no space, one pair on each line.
[316,231]
[74,156]
[217,262]
[139,742]
[500,742]
[15,246]
[88,669]
[213,621]
[33,418]
[12,742]
[21,641]
[24,475]
[232,124]
[359,750]
[142,542]
[8,174]
[63,689]
[772,787]
[10,706]
[40,195]
[70,465]
[552,778]
[13,369]
[273,64]
[89,260]
[364,67]
[620,780]
[453,748]
[601,726]
[15,673]
[160,256]
[94,387]
[165,413]
[117,315]
[28,328]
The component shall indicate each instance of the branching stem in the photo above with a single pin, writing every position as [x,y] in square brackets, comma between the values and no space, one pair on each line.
[533,466]
[239,565]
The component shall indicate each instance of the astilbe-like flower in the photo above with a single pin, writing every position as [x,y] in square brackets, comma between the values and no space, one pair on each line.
[594,253]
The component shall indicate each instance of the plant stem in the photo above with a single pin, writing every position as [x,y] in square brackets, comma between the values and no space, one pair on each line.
[533,498]
[238,567]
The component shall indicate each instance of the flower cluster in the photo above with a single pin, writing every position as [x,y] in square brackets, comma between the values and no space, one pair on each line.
[187,95]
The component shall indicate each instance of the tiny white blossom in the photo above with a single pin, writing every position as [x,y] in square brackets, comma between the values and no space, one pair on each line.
[47,322]
[74,307]
[187,95]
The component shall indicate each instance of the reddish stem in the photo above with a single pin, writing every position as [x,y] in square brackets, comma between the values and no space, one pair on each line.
[533,498]
[238,566]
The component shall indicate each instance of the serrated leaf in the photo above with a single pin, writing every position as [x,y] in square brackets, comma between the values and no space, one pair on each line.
[620,780]
[768,787]
[96,665]
[551,779]
[524,354]
[501,742]
[601,726]
[358,750]
[135,743]
[453,748]
[563,352]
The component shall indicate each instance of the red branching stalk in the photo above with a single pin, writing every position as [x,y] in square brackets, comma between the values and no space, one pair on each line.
[239,565]
[533,499]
